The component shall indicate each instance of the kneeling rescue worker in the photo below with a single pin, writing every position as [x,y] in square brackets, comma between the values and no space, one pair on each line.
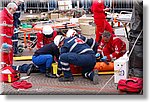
[75,51]
[46,36]
[111,48]
[44,57]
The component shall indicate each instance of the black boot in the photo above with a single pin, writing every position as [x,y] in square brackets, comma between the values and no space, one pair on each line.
[95,77]
[32,68]
[49,74]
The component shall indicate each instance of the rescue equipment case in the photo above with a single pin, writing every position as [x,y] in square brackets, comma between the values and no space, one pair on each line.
[132,85]
[8,74]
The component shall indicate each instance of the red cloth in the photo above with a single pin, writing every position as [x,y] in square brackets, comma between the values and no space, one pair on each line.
[21,85]
[7,29]
[114,49]
[42,40]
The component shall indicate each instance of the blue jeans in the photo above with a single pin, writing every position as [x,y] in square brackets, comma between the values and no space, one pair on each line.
[22,68]
[43,62]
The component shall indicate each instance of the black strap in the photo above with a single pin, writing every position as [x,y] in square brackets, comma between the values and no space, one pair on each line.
[130,80]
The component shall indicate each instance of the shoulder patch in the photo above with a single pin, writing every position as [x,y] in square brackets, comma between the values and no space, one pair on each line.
[115,38]
[79,41]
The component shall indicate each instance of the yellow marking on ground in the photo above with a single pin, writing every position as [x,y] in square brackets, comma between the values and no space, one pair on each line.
[108,72]
[22,58]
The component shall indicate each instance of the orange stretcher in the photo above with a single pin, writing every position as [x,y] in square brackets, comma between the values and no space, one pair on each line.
[36,28]
[26,31]
[58,26]
[102,66]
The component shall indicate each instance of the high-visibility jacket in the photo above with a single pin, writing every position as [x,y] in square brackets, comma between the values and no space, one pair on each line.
[113,49]
[6,32]
[43,40]
[6,26]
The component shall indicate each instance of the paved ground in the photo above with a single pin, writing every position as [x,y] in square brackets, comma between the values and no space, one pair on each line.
[80,86]
[43,85]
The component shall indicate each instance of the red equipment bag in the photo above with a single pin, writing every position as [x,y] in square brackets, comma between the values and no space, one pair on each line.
[8,74]
[133,85]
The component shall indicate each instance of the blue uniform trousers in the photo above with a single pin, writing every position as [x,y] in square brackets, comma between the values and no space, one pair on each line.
[86,61]
[22,69]
[43,62]
[15,42]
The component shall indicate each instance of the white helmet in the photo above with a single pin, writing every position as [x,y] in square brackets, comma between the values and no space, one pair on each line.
[21,0]
[71,33]
[47,30]
[58,39]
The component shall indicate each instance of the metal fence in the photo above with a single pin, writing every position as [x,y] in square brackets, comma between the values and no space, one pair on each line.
[121,5]
[47,5]
[40,5]
[4,3]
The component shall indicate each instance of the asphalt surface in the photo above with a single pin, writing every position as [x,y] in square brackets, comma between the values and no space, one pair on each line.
[43,85]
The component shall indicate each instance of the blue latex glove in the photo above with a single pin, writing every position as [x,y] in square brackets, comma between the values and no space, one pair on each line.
[5,46]
[104,59]
[97,55]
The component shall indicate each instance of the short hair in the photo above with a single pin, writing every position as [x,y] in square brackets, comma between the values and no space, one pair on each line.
[21,0]
[106,34]
[12,5]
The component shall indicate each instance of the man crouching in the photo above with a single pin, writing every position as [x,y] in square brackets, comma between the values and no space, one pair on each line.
[75,51]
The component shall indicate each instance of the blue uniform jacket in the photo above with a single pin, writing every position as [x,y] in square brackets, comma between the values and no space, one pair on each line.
[16,17]
[91,42]
[76,45]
